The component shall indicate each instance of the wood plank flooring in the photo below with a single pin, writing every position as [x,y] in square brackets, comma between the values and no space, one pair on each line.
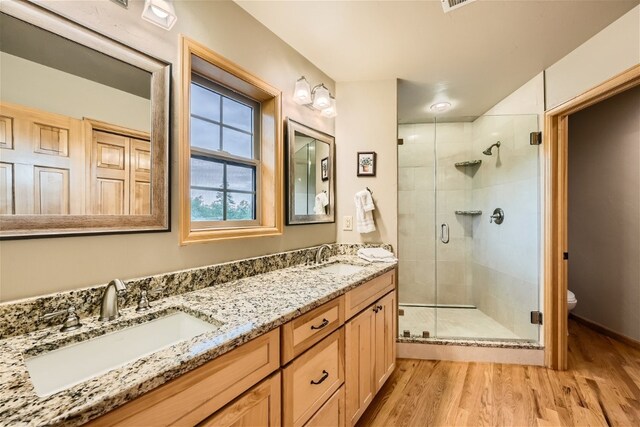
[601,387]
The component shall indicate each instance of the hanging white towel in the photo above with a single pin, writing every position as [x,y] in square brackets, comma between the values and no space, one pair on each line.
[321,202]
[364,212]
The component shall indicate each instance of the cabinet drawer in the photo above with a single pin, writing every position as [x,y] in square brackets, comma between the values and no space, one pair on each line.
[361,297]
[332,412]
[306,330]
[260,406]
[195,395]
[311,379]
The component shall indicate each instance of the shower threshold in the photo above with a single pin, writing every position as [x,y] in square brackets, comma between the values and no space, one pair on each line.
[451,323]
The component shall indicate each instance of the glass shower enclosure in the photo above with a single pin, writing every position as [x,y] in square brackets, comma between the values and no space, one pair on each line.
[469,231]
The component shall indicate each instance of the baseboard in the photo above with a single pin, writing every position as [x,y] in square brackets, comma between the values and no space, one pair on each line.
[461,353]
[606,331]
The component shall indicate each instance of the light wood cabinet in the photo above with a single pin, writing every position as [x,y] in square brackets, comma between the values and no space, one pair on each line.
[332,412]
[196,395]
[370,346]
[366,294]
[385,342]
[311,379]
[260,406]
[360,338]
[303,332]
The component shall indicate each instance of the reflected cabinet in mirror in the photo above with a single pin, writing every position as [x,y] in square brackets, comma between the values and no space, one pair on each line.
[84,129]
[311,179]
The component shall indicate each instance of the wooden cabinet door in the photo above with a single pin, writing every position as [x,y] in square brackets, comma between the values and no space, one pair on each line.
[331,414]
[360,386]
[385,341]
[260,406]
[42,170]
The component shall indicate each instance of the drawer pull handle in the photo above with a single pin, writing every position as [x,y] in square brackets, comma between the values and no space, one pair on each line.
[377,308]
[325,375]
[324,323]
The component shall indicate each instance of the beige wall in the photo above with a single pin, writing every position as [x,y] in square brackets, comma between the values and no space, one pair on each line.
[39,266]
[611,51]
[604,212]
[367,122]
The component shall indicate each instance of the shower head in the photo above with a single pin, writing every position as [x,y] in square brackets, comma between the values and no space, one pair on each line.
[487,152]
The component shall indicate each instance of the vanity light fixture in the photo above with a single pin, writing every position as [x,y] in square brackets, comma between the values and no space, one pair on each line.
[330,111]
[318,98]
[440,107]
[160,12]
[321,97]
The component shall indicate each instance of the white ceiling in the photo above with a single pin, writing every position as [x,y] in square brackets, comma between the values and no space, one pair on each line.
[473,56]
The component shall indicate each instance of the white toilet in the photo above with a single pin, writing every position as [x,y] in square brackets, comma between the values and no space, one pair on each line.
[571,301]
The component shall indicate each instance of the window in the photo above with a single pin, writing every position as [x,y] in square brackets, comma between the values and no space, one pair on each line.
[230,150]
[225,153]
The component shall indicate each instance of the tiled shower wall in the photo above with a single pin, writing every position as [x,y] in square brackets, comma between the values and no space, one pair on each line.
[504,258]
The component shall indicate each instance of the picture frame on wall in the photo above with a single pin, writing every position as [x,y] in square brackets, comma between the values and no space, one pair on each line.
[324,169]
[366,163]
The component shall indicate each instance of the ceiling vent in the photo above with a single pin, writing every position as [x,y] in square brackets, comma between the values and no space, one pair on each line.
[449,5]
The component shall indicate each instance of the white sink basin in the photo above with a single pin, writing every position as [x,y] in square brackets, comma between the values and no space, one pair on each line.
[67,366]
[340,269]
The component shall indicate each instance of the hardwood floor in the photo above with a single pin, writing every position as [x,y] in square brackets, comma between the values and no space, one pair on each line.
[601,387]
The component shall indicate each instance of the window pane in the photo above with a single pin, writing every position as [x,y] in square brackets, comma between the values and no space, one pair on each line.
[205,103]
[240,178]
[206,205]
[206,173]
[205,134]
[240,206]
[237,143]
[236,115]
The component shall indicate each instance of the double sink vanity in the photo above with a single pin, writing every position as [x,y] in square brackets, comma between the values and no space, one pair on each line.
[303,345]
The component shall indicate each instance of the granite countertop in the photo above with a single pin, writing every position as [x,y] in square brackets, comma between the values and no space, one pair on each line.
[243,309]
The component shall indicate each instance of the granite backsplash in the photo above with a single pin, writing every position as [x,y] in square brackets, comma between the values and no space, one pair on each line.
[25,315]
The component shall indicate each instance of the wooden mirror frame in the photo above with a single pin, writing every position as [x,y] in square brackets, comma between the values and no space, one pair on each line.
[292,218]
[19,226]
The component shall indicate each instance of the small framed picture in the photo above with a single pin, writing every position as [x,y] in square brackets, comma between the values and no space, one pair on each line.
[367,163]
[324,169]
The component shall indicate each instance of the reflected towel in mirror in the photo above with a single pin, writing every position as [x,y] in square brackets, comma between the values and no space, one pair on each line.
[321,202]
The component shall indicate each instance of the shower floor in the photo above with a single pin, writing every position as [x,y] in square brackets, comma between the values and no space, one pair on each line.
[452,323]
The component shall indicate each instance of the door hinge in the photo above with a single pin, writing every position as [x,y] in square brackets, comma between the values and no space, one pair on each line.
[565,255]
[536,318]
[535,138]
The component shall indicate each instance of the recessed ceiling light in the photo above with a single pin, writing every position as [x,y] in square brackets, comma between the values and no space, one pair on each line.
[439,107]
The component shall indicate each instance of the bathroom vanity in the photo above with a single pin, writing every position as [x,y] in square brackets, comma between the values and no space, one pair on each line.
[303,345]
[321,368]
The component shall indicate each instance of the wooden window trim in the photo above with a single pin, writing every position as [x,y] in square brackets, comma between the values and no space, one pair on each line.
[556,145]
[204,62]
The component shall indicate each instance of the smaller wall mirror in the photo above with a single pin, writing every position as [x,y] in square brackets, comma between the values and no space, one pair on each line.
[311,179]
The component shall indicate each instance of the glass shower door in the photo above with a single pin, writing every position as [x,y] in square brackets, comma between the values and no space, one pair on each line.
[416,240]
[487,228]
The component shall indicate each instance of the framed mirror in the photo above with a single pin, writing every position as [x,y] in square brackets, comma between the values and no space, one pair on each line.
[84,130]
[311,183]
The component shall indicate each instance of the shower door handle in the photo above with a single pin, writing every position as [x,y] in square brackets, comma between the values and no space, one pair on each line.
[444,232]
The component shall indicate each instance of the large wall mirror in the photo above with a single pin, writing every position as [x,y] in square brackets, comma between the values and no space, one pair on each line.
[84,129]
[311,178]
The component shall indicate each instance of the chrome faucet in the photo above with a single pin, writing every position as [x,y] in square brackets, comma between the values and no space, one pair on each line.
[320,251]
[109,308]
